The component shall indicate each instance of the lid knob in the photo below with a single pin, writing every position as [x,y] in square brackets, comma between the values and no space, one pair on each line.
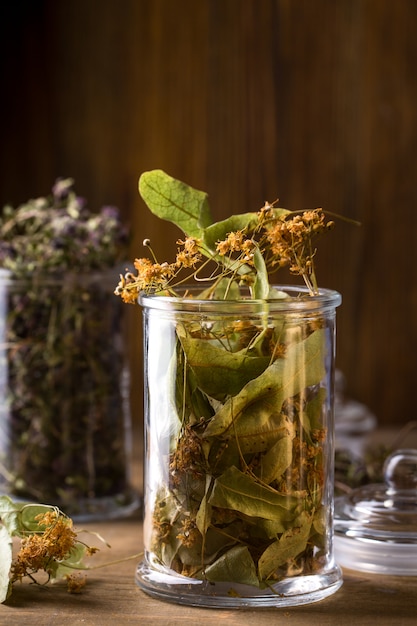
[400,470]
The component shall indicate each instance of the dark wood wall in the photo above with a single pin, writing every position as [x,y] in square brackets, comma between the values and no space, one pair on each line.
[311,101]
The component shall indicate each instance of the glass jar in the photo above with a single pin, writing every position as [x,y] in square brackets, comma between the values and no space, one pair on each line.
[64,394]
[239,447]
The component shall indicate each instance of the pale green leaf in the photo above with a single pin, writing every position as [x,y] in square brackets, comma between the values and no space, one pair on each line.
[219,230]
[5,563]
[30,512]
[254,410]
[203,517]
[227,289]
[314,409]
[241,492]
[277,459]
[219,372]
[216,541]
[267,528]
[10,514]
[74,561]
[320,521]
[277,294]
[290,545]
[235,565]
[20,517]
[175,201]
[260,289]
[202,550]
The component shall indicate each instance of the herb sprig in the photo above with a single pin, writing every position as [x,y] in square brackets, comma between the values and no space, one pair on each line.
[49,544]
[244,248]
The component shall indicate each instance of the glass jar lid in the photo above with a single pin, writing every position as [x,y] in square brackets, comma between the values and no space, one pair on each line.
[376,525]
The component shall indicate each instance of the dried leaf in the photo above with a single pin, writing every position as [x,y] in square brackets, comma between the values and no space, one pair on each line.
[314,408]
[5,563]
[242,492]
[289,546]
[236,565]
[277,459]
[261,285]
[203,516]
[219,231]
[219,372]
[9,514]
[261,399]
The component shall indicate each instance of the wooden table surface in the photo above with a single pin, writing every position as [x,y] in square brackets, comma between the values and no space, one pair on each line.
[111,596]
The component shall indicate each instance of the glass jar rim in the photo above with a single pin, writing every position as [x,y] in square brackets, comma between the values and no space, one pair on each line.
[299,300]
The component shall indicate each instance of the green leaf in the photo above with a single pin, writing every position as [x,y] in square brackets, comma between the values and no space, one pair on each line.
[276,294]
[268,529]
[219,372]
[242,221]
[227,289]
[9,514]
[314,409]
[260,288]
[190,399]
[19,517]
[203,517]
[28,515]
[242,492]
[5,563]
[235,565]
[176,202]
[277,459]
[74,561]
[320,521]
[219,230]
[292,543]
[254,411]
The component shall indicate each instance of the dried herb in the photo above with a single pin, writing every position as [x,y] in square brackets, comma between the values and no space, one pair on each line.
[241,404]
[243,248]
[62,437]
[244,500]
[49,545]
[59,233]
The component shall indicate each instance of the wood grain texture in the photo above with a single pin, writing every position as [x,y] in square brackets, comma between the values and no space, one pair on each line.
[311,102]
[112,597]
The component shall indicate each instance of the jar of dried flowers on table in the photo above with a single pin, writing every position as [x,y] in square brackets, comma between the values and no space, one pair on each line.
[239,377]
[64,376]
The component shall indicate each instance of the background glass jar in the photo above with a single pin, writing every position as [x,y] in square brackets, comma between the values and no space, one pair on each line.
[239,450]
[64,394]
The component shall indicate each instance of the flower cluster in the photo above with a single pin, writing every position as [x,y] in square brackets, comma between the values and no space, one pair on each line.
[282,238]
[41,550]
[46,548]
[290,242]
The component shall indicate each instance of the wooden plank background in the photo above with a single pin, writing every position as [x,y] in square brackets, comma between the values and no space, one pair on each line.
[311,101]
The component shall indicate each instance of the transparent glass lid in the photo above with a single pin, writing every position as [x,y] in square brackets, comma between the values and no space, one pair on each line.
[376,525]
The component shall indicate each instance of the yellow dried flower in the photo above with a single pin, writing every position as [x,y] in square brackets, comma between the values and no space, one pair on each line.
[190,255]
[76,582]
[248,247]
[40,550]
[232,243]
[189,534]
